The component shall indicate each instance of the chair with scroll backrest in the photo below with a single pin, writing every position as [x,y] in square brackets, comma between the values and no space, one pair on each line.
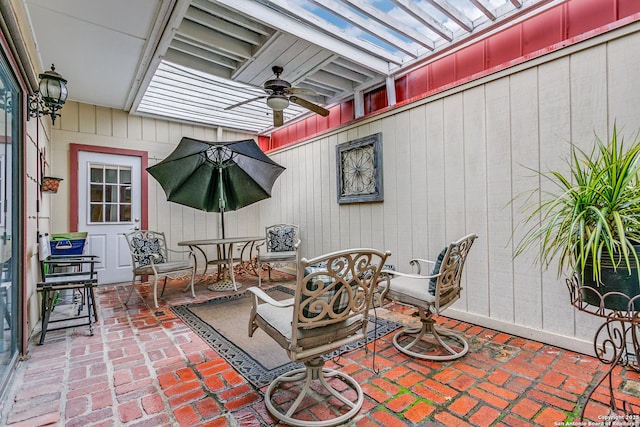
[431,294]
[329,309]
[280,247]
[151,257]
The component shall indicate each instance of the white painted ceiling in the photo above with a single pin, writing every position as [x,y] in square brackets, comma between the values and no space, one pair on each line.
[188,60]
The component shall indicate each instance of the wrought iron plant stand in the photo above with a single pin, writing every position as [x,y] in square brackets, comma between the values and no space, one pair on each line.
[616,342]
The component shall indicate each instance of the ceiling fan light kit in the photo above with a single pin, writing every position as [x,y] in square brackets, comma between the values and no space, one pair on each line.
[278,102]
[280,94]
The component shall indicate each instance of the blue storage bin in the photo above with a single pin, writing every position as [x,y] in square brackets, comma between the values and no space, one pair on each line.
[68,243]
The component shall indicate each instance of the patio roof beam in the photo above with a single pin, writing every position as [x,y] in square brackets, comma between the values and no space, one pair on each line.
[224,27]
[425,18]
[205,54]
[485,7]
[222,42]
[332,31]
[230,15]
[392,23]
[454,13]
[298,29]
[368,26]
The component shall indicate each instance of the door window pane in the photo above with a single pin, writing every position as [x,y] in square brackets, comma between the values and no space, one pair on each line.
[110,194]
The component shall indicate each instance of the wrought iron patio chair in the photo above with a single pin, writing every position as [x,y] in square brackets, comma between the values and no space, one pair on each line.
[151,257]
[280,247]
[431,295]
[329,309]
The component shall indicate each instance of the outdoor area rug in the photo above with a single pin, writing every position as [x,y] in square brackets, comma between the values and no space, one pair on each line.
[223,323]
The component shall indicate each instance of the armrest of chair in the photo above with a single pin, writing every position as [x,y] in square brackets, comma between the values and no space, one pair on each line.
[260,295]
[177,252]
[417,263]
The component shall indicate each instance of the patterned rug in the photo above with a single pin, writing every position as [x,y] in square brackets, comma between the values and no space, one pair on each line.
[223,324]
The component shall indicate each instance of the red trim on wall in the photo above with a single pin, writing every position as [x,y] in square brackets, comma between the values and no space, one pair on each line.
[551,30]
[73,184]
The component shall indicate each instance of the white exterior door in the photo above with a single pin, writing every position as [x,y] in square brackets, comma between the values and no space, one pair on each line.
[109,200]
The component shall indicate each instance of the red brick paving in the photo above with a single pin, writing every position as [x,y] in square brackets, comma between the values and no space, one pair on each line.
[144,367]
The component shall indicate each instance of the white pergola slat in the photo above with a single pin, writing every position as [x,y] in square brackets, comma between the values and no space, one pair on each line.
[220,52]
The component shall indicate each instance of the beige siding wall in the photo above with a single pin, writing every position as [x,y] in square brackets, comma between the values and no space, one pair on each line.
[98,126]
[453,163]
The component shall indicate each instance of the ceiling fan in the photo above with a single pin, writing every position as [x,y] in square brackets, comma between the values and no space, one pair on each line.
[280,93]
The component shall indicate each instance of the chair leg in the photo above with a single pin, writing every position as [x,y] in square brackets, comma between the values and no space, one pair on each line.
[48,298]
[133,285]
[308,378]
[155,289]
[193,273]
[441,344]
[258,270]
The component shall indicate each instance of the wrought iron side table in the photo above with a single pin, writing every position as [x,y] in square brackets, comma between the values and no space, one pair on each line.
[616,342]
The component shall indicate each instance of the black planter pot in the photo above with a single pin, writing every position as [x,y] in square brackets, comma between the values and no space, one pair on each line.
[613,280]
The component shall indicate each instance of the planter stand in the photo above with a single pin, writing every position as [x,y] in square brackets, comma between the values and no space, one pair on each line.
[616,342]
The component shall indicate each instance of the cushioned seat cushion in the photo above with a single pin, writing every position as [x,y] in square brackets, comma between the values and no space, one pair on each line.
[279,318]
[277,256]
[165,267]
[411,291]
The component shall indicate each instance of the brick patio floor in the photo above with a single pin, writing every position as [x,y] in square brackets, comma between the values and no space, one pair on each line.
[144,367]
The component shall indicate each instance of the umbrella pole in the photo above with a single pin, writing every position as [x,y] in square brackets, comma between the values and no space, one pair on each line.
[222,201]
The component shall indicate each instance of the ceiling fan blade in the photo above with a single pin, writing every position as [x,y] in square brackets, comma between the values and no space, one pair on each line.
[301,91]
[278,118]
[246,101]
[309,106]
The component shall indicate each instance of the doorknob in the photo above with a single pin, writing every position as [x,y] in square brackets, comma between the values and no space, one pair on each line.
[136,227]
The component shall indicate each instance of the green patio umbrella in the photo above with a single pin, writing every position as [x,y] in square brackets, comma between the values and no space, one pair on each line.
[216,176]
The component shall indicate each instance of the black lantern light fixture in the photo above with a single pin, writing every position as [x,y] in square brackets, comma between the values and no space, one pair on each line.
[50,97]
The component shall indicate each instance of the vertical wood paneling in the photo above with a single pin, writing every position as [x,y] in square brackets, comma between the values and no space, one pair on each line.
[499,190]
[589,96]
[624,92]
[134,127]
[390,227]
[525,151]
[454,174]
[87,118]
[418,184]
[475,149]
[69,119]
[436,183]
[103,121]
[119,126]
[554,109]
[403,189]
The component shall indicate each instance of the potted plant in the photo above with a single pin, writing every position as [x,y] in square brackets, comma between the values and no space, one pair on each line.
[590,220]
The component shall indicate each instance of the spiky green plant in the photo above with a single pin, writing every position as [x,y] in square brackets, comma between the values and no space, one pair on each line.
[592,210]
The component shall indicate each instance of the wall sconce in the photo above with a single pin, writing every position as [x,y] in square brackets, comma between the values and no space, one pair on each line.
[50,97]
